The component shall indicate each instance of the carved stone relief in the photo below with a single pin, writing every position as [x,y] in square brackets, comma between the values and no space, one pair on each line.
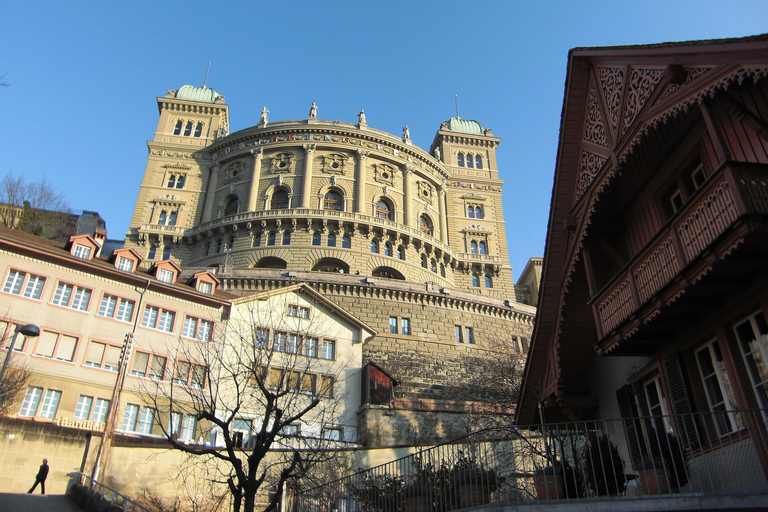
[426,191]
[384,173]
[234,171]
[334,163]
[283,163]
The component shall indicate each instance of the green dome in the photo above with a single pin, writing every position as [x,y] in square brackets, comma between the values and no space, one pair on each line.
[457,124]
[189,92]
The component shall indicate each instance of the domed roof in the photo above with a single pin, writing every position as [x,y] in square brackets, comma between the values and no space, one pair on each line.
[457,124]
[189,92]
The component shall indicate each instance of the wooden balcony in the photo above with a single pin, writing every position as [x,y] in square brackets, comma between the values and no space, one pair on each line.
[718,221]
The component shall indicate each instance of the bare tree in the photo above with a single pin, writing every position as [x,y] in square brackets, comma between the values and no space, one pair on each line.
[30,206]
[16,376]
[267,398]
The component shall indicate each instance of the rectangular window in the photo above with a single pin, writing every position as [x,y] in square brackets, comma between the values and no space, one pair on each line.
[717,386]
[459,339]
[107,307]
[393,325]
[332,434]
[82,252]
[116,307]
[130,418]
[112,358]
[326,386]
[241,431]
[125,264]
[181,375]
[298,311]
[310,347]
[698,177]
[71,296]
[260,337]
[31,285]
[165,275]
[289,431]
[198,377]
[469,335]
[280,341]
[188,429]
[95,355]
[329,350]
[140,363]
[55,345]
[31,401]
[205,287]
[752,335]
[146,420]
[83,409]
[657,408]
[405,326]
[100,410]
[157,318]
[195,328]
[50,404]
[157,369]
[190,327]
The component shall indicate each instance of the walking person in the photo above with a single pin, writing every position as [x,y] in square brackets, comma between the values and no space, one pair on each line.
[42,474]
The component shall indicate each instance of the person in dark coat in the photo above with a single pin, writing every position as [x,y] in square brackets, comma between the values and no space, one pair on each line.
[42,474]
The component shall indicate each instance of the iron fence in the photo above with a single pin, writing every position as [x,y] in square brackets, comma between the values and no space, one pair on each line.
[111,495]
[660,455]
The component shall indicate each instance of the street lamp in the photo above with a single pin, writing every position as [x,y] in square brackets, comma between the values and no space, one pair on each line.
[30,331]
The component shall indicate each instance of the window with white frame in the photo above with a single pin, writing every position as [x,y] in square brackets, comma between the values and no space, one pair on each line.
[332,434]
[329,350]
[88,410]
[165,275]
[657,407]
[393,325]
[130,418]
[198,329]
[72,296]
[24,284]
[31,402]
[298,311]
[405,326]
[241,432]
[125,264]
[158,318]
[717,387]
[100,409]
[752,335]
[205,287]
[146,420]
[102,355]
[116,308]
[148,365]
[181,373]
[310,346]
[326,385]
[50,404]
[292,430]
[82,251]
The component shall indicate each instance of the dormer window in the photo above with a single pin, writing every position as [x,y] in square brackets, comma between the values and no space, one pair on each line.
[165,275]
[204,282]
[198,129]
[125,264]
[82,252]
[205,287]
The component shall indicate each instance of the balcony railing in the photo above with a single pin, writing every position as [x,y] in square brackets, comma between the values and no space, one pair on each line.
[595,460]
[724,198]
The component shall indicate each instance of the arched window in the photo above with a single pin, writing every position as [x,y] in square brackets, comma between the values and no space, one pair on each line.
[425,224]
[478,161]
[188,129]
[333,201]
[172,219]
[331,240]
[383,210]
[375,246]
[257,240]
[199,129]
[460,159]
[481,247]
[151,253]
[287,238]
[179,125]
[488,282]
[401,253]
[433,266]
[471,212]
[424,261]
[280,200]
[208,248]
[476,281]
[271,239]
[180,181]
[231,208]
[470,161]
[316,238]
[387,249]
[172,181]
[442,270]
[479,212]
[346,242]
[231,243]
[162,218]
[219,245]
[473,247]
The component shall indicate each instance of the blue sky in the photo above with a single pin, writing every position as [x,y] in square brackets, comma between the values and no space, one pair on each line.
[84,77]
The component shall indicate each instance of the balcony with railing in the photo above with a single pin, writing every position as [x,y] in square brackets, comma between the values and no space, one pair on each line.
[625,464]
[704,230]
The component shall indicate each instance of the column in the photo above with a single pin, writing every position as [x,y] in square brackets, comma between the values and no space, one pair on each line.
[309,152]
[362,157]
[442,210]
[253,195]
[408,199]
[212,182]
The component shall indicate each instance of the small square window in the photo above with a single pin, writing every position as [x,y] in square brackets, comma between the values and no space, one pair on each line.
[676,200]
[82,252]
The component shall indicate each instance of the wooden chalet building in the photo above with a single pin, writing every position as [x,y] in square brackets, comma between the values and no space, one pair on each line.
[654,293]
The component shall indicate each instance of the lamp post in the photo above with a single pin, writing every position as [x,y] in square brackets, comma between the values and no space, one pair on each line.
[28,330]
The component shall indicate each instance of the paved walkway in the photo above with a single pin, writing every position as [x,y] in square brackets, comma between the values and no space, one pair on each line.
[11,502]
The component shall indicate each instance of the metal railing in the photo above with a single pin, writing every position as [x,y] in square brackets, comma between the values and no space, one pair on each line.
[111,495]
[657,456]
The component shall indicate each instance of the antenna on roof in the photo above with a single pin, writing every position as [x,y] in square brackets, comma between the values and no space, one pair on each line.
[457,106]
[206,75]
